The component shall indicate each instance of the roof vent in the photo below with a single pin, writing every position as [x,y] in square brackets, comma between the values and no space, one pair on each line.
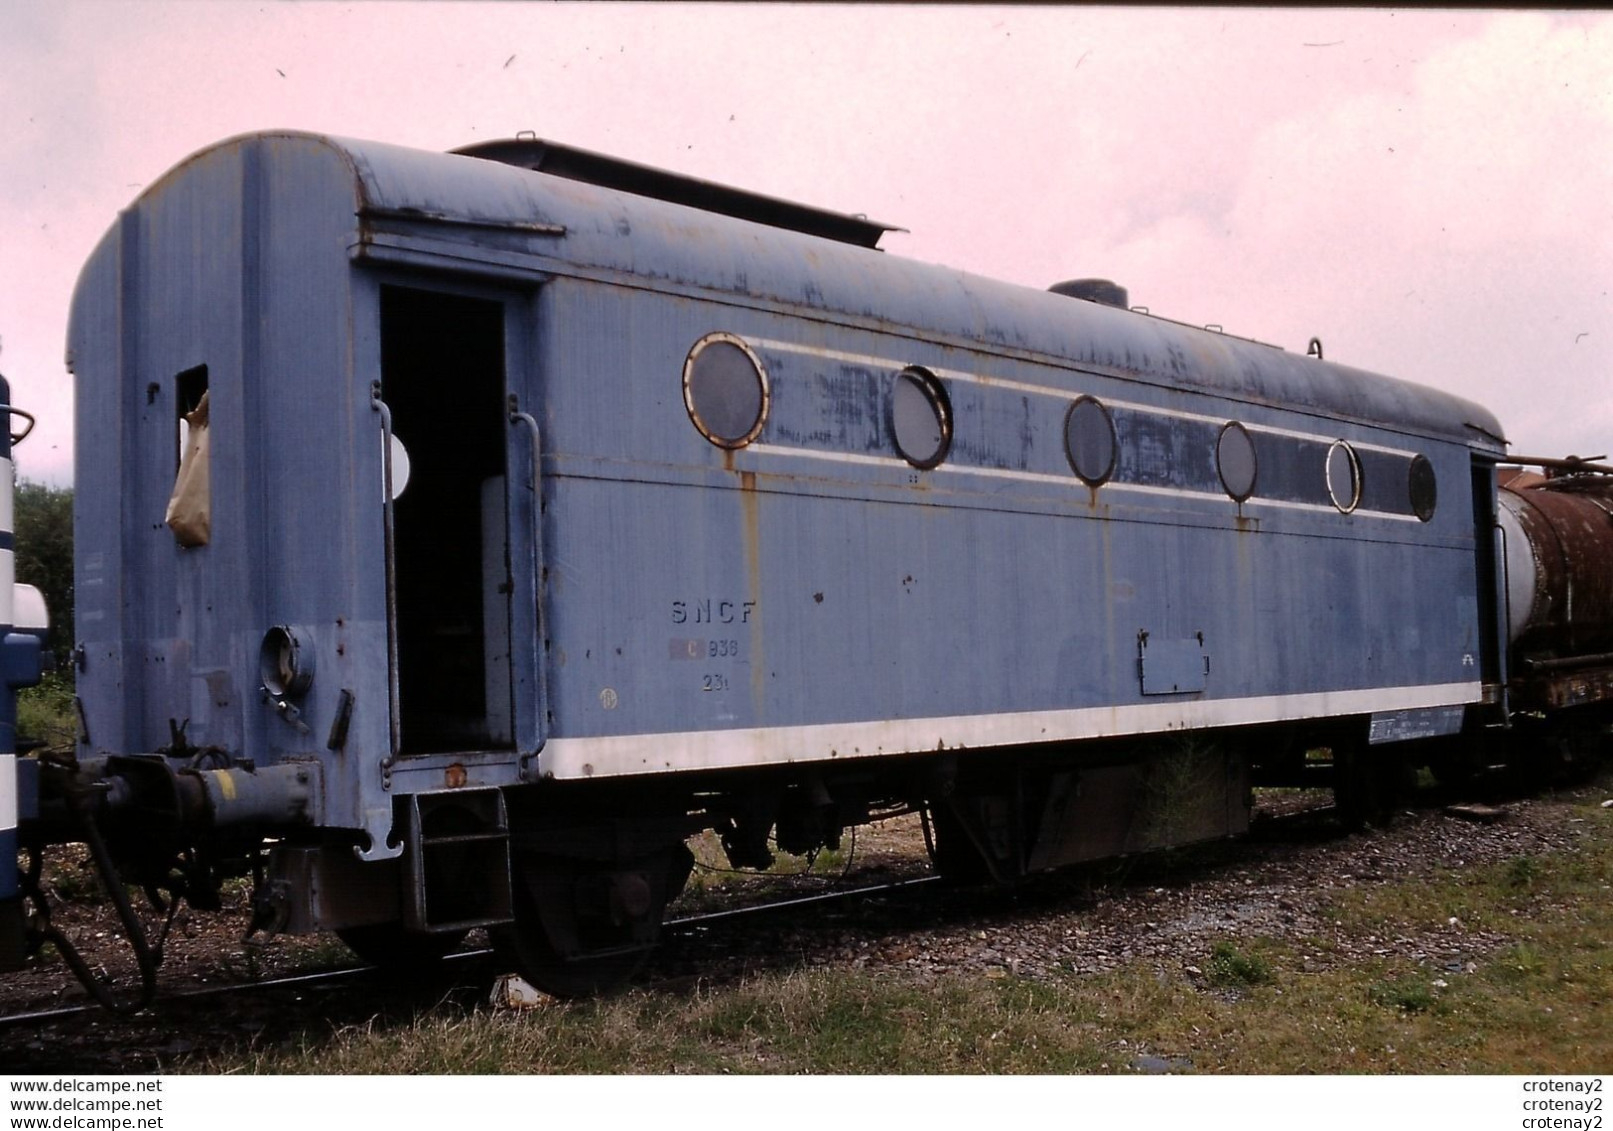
[1104,291]
[530,152]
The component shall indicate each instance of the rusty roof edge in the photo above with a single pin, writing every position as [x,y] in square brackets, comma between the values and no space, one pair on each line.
[429,216]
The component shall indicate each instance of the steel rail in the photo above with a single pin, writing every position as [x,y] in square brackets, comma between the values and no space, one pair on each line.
[463,957]
[680,925]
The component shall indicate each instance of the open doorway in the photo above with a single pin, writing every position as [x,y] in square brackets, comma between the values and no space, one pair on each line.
[1484,538]
[442,375]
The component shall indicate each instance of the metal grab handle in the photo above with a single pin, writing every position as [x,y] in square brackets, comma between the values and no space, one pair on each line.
[395,723]
[526,418]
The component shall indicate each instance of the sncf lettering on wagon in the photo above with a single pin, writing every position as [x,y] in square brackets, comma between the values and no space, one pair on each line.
[713,610]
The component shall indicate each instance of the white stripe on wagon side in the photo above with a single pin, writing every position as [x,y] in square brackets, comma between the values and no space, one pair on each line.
[1065,395]
[873,362]
[612,755]
[1066,482]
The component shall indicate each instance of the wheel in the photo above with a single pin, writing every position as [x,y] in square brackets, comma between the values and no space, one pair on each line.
[586,927]
[1369,785]
[953,852]
[397,950]
[1561,754]
[1455,764]
[528,948]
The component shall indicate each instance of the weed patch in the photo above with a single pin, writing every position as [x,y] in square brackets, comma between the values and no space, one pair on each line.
[1409,993]
[1229,967]
[1522,872]
[46,713]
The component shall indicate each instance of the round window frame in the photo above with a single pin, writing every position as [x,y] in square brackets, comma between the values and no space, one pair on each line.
[724,337]
[1355,475]
[941,404]
[1254,460]
[285,663]
[1114,441]
[1421,463]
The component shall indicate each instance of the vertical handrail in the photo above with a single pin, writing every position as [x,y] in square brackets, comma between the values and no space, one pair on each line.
[395,724]
[517,418]
[526,418]
[1503,648]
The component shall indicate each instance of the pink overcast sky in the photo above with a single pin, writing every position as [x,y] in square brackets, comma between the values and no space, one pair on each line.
[1430,193]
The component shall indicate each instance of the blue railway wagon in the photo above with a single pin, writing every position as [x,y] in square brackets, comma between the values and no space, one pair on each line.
[444,511]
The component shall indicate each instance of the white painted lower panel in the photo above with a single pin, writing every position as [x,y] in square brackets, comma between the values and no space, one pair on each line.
[615,755]
[8,594]
[8,486]
[8,793]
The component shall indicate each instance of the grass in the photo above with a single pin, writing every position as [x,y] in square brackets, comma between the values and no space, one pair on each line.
[1411,993]
[714,878]
[46,713]
[1534,996]
[804,1021]
[1230,967]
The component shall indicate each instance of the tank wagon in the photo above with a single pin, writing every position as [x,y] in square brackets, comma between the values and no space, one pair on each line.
[457,534]
[1557,538]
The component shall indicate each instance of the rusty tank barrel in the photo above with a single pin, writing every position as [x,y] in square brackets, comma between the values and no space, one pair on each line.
[1559,562]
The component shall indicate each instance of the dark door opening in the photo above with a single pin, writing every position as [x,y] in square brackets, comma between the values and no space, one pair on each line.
[442,375]
[1490,638]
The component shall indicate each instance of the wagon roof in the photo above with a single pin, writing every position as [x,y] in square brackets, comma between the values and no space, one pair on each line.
[820,265]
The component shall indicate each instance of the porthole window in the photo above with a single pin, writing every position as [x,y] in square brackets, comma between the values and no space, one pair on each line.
[1343,476]
[285,663]
[1235,460]
[1089,441]
[725,390]
[1424,489]
[921,417]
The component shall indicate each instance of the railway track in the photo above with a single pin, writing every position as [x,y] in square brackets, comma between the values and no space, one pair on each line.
[462,965]
[1160,908]
[721,943]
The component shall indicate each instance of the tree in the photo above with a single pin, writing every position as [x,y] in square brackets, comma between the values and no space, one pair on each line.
[44,529]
